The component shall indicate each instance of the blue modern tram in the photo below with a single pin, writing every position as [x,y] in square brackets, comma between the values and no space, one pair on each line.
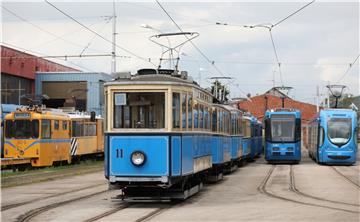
[165,136]
[332,137]
[283,135]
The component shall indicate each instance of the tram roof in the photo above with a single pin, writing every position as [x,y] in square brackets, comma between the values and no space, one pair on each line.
[157,79]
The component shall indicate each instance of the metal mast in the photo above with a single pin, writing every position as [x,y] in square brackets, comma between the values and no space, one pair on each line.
[113,53]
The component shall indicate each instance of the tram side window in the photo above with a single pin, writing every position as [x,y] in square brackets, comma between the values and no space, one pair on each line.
[297,129]
[321,136]
[77,129]
[56,124]
[233,126]
[139,110]
[214,121]
[189,111]
[267,129]
[207,118]
[183,111]
[64,125]
[221,128]
[45,129]
[196,116]
[176,110]
[201,116]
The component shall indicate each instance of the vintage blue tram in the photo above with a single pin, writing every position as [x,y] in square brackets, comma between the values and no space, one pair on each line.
[332,137]
[256,138]
[283,135]
[165,135]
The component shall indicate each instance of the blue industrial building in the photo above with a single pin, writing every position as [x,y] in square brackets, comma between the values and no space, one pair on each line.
[82,90]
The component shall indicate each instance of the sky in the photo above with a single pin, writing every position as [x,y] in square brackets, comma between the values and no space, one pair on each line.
[315,47]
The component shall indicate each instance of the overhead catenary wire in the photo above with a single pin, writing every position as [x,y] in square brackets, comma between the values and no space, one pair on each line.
[270,26]
[42,54]
[287,17]
[93,38]
[97,34]
[348,69]
[191,42]
[40,28]
[276,56]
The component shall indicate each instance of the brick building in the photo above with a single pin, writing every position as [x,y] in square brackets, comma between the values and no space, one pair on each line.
[273,99]
[18,73]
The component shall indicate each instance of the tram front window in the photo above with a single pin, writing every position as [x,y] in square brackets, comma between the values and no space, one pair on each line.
[282,128]
[139,110]
[22,129]
[339,130]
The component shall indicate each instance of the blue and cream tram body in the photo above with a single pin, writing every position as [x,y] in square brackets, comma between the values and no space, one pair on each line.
[247,137]
[283,135]
[332,137]
[164,136]
[256,138]
[158,134]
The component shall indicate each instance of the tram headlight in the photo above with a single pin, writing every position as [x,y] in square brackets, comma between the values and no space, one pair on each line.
[138,158]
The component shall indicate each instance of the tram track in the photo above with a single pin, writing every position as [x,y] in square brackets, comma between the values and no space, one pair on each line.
[146,217]
[10,206]
[37,211]
[109,212]
[262,188]
[345,177]
[296,190]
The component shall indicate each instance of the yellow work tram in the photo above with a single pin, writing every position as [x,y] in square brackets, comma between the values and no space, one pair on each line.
[42,137]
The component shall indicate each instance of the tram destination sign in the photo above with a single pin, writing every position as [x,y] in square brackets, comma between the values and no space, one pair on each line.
[22,115]
[120,99]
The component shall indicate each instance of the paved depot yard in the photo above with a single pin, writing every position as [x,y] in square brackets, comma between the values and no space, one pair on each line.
[255,192]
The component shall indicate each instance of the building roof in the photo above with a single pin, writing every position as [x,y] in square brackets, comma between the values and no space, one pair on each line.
[276,92]
[258,105]
[22,64]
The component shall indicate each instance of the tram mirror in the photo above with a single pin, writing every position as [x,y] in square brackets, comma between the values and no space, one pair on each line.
[92,116]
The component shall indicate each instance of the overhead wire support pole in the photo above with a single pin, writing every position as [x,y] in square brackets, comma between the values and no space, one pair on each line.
[276,56]
[113,53]
[102,37]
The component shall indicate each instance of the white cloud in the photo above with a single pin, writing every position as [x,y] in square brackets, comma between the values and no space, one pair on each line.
[308,44]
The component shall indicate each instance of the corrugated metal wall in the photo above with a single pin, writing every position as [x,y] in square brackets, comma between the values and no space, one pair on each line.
[94,85]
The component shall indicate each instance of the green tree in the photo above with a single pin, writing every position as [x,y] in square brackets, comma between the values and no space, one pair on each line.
[220,91]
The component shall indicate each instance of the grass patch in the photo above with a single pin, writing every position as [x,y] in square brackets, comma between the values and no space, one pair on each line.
[52,169]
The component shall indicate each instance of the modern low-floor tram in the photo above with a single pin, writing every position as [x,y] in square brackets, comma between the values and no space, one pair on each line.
[283,135]
[332,137]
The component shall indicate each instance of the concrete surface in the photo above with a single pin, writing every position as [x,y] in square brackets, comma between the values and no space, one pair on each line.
[317,193]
